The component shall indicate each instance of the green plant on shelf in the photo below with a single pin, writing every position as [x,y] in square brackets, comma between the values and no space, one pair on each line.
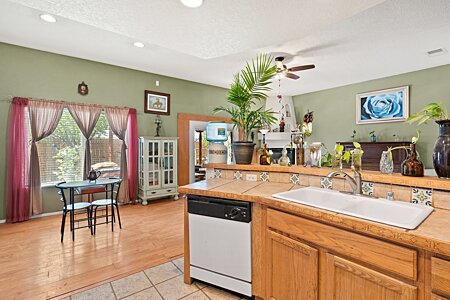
[414,140]
[433,111]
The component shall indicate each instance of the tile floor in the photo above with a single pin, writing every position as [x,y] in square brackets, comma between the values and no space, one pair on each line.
[163,282]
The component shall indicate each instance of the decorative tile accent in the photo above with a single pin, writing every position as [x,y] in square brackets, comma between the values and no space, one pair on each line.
[131,284]
[367,188]
[422,196]
[162,272]
[217,173]
[293,178]
[326,183]
[264,176]
[238,175]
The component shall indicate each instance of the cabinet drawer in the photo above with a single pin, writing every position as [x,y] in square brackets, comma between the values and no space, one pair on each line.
[161,192]
[440,276]
[390,257]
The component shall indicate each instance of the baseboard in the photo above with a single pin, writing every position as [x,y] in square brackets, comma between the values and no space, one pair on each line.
[2,221]
[46,214]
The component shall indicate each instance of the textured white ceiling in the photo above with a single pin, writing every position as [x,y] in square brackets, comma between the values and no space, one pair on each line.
[348,40]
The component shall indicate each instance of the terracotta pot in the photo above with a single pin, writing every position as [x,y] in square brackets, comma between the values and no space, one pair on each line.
[243,152]
[441,153]
[411,166]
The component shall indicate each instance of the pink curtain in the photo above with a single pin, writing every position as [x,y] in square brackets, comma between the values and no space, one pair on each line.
[17,192]
[86,117]
[132,154]
[44,118]
[118,121]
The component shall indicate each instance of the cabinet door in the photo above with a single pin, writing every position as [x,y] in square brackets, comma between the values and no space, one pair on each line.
[347,280]
[154,164]
[169,157]
[292,269]
[141,164]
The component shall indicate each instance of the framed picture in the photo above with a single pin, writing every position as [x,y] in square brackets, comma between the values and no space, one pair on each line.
[391,105]
[157,103]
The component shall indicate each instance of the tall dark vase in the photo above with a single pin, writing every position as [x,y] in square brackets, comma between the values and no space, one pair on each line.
[243,152]
[411,166]
[441,153]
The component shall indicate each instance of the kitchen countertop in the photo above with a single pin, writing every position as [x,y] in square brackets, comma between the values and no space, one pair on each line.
[432,235]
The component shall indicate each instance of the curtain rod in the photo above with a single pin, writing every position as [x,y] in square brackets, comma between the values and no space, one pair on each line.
[78,103]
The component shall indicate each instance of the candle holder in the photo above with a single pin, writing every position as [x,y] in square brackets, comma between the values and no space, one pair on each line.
[158,123]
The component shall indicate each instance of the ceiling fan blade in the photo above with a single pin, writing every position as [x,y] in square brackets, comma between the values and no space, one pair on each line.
[292,76]
[301,68]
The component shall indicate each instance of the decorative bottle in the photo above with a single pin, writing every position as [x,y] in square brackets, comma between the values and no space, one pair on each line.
[264,159]
[412,166]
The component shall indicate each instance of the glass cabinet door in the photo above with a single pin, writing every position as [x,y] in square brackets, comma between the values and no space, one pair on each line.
[168,157]
[153,164]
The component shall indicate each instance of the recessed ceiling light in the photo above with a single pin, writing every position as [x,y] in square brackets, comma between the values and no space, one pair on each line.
[48,18]
[139,44]
[192,3]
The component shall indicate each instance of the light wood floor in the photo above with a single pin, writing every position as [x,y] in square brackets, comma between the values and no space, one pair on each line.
[34,264]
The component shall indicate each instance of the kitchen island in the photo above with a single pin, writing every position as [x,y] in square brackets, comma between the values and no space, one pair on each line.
[300,252]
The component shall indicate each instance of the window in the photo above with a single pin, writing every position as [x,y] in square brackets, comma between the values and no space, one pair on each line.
[61,155]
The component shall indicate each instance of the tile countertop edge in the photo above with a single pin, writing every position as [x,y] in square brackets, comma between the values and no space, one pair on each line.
[431,182]
[414,238]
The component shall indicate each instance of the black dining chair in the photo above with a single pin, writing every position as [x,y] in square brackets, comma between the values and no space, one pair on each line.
[111,199]
[76,207]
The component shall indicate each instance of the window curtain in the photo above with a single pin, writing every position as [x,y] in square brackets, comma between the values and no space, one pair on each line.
[132,154]
[44,118]
[118,121]
[17,191]
[86,117]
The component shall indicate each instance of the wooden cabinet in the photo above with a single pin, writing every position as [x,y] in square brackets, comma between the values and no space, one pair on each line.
[348,280]
[292,269]
[440,276]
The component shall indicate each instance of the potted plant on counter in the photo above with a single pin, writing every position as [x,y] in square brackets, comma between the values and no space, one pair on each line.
[250,86]
[441,153]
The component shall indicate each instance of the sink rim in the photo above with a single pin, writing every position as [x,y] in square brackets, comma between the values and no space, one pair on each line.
[423,211]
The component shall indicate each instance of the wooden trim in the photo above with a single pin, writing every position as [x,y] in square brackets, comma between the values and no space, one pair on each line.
[258,246]
[183,142]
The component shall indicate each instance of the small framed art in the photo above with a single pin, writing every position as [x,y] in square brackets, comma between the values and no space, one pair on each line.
[157,103]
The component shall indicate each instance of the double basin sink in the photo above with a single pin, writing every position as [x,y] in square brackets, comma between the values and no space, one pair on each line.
[395,213]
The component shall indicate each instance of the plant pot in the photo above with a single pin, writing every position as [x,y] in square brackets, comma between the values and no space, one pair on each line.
[441,152]
[243,152]
[411,166]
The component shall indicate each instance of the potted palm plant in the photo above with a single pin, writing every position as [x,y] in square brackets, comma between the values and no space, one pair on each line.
[441,152]
[249,87]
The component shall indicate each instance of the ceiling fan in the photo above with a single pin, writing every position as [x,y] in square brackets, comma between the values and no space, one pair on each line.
[283,71]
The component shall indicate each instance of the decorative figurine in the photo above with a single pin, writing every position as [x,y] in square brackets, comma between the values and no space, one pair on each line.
[282,124]
[264,159]
[373,137]
[284,159]
[158,123]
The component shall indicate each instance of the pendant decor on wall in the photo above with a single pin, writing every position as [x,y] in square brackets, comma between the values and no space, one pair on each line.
[83,89]
[391,105]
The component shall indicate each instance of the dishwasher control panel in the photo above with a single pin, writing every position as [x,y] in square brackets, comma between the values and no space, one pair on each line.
[220,208]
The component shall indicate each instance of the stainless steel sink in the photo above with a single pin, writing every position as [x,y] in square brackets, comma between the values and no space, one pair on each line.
[396,213]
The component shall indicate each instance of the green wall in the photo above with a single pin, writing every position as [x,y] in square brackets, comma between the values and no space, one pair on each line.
[334,109]
[31,73]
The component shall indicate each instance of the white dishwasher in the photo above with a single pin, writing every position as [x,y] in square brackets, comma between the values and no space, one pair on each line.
[220,242]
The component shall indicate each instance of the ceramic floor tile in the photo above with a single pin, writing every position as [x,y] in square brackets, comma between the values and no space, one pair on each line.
[179,263]
[148,294]
[162,272]
[131,284]
[175,288]
[200,284]
[218,294]
[196,296]
[103,292]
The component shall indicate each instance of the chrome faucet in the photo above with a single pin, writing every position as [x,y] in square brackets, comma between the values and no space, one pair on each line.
[355,181]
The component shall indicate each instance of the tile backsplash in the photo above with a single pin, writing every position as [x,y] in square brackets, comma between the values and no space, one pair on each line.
[420,196]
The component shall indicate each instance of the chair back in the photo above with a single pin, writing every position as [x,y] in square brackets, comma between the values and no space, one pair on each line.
[116,188]
[61,193]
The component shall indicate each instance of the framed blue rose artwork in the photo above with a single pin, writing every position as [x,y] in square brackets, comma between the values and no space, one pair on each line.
[391,105]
